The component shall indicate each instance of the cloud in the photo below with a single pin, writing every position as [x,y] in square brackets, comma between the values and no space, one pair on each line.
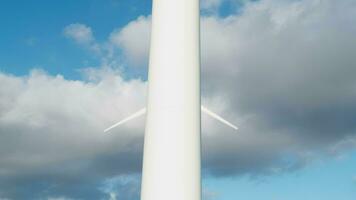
[79,33]
[52,138]
[122,187]
[134,40]
[282,70]
[83,36]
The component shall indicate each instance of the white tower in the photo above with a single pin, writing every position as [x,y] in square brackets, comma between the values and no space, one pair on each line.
[171,164]
[172,147]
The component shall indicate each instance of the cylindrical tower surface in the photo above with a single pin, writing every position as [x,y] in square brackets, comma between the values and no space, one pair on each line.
[172,147]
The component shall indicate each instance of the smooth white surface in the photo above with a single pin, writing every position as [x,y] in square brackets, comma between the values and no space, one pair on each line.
[172,147]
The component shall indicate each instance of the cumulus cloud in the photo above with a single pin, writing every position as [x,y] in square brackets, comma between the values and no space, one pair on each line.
[285,69]
[282,70]
[47,122]
[134,40]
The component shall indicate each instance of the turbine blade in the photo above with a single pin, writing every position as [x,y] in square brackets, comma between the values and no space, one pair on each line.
[217,117]
[129,118]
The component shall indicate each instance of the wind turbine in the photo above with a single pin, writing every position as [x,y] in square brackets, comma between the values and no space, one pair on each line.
[172,146]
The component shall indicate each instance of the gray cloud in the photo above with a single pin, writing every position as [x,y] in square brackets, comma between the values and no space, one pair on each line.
[52,139]
[282,70]
[287,68]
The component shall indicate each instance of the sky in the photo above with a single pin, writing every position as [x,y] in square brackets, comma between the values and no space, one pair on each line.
[282,70]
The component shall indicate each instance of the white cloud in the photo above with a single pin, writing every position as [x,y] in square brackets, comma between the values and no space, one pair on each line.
[47,122]
[79,32]
[134,40]
[83,35]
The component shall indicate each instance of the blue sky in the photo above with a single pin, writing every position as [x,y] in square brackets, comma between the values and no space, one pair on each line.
[32,32]
[283,70]
[32,36]
[328,179]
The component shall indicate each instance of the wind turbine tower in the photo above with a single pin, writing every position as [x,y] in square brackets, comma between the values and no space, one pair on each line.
[172,146]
